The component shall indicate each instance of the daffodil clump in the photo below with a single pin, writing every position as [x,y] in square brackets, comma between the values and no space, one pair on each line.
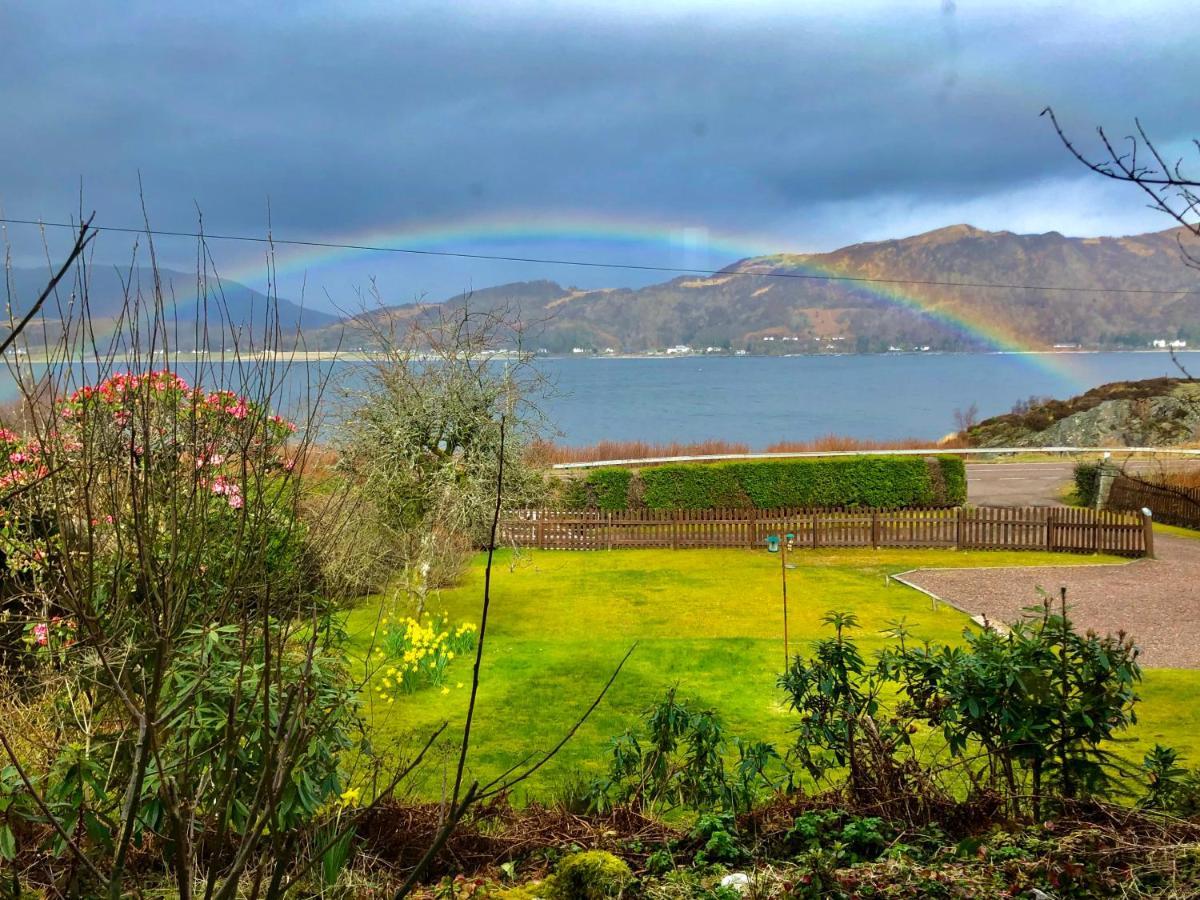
[416,654]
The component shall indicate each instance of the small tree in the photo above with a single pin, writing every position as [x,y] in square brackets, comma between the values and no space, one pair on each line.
[843,725]
[422,441]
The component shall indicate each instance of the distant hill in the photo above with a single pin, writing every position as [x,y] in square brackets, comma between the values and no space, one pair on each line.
[1157,412]
[744,304]
[746,307]
[233,310]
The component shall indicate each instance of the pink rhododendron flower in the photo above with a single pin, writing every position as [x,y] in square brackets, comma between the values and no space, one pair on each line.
[41,633]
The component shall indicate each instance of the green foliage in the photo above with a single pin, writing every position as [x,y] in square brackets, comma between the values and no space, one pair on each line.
[660,862]
[1041,700]
[419,653]
[680,760]
[570,493]
[1087,482]
[693,486]
[853,839]
[716,834]
[179,636]
[1170,786]
[954,478]
[876,481]
[608,489]
[835,693]
[591,875]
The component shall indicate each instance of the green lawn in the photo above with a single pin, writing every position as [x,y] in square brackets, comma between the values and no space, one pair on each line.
[707,620]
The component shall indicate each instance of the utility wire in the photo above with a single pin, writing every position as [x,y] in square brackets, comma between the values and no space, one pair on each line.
[678,270]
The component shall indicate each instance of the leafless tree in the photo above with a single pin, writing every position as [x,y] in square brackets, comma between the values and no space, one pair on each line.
[1137,160]
[966,419]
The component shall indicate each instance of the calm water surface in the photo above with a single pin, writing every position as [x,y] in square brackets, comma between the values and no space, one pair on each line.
[759,400]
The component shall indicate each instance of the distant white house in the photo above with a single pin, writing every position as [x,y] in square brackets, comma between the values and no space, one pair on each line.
[578,350]
[678,349]
[1164,344]
[769,337]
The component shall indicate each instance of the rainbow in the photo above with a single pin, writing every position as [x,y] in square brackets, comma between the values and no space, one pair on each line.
[675,242]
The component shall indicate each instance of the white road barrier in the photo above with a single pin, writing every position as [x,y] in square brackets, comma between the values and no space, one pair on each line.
[718,457]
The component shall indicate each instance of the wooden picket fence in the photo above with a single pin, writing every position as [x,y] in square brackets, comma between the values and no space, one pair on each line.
[1172,505]
[986,528]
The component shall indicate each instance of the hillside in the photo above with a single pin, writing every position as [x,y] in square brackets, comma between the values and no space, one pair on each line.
[1157,412]
[745,303]
[230,310]
[783,304]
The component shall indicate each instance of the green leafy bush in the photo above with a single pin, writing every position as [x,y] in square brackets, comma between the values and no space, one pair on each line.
[591,875]
[1041,700]
[954,478]
[854,838]
[608,489]
[875,481]
[679,760]
[1087,482]
[695,486]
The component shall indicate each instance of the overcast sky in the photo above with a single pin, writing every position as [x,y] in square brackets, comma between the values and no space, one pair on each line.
[703,131]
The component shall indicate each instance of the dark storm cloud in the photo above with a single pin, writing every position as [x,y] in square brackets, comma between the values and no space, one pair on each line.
[727,115]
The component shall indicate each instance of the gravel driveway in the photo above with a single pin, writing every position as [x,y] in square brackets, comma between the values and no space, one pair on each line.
[1157,601]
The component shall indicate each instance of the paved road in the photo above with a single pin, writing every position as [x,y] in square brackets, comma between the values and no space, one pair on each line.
[1039,484]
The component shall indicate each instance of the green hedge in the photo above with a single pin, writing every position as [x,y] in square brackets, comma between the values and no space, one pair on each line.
[1087,482]
[880,481]
[609,488]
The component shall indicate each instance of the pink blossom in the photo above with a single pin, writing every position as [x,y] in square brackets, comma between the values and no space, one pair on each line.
[41,633]
[235,500]
[17,457]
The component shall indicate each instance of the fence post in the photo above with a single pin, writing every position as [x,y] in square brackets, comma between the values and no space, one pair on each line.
[752,528]
[1050,529]
[541,529]
[1148,531]
[958,528]
[675,530]
[874,529]
[814,530]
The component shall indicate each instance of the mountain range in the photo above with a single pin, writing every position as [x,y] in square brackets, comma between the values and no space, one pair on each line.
[955,288]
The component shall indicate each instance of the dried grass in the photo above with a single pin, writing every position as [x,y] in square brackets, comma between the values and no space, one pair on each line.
[544,453]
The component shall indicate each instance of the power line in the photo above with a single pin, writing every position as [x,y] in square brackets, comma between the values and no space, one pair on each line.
[677,270]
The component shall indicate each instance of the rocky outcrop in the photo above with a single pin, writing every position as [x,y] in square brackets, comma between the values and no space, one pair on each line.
[1159,413]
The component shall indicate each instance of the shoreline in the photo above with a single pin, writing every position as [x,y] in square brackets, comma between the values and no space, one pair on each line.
[360,356]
